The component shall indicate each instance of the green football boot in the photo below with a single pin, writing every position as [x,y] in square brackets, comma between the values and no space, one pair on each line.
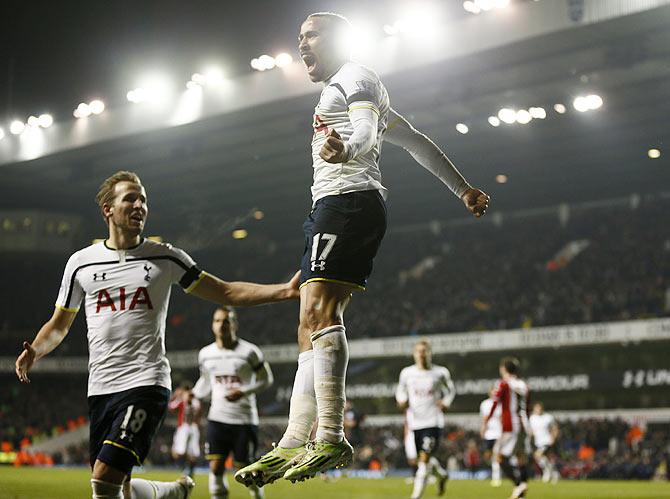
[320,456]
[270,467]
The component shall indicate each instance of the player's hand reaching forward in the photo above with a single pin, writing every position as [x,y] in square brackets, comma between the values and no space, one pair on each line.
[24,362]
[476,201]
[293,286]
[443,407]
[333,151]
[234,395]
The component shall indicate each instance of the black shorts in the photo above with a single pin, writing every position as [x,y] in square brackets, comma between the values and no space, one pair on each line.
[342,236]
[489,444]
[124,424]
[427,440]
[240,439]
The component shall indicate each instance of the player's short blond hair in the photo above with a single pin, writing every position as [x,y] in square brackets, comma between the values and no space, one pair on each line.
[106,193]
[425,343]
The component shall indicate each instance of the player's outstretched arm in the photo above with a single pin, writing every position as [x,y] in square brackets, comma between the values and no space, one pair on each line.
[401,133]
[245,294]
[50,335]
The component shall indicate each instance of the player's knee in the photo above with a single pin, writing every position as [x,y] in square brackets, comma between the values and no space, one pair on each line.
[103,472]
[216,466]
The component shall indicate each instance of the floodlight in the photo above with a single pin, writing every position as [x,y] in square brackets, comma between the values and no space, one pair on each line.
[462,128]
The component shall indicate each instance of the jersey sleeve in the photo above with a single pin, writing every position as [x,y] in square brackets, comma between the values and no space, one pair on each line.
[185,272]
[360,87]
[401,394]
[71,293]
[202,388]
[255,358]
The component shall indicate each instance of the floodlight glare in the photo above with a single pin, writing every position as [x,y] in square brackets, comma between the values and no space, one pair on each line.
[213,76]
[538,112]
[560,108]
[33,121]
[83,111]
[581,104]
[594,101]
[197,78]
[471,7]
[501,179]
[240,234]
[17,127]
[2,134]
[283,59]
[45,120]
[523,116]
[266,62]
[462,128]
[485,4]
[96,106]
[654,153]
[494,121]
[501,4]
[507,115]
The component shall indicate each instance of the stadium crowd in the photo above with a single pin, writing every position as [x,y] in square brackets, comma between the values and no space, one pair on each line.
[614,265]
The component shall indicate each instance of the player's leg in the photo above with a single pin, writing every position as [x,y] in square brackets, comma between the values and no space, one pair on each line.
[193,448]
[218,484]
[179,445]
[131,418]
[302,415]
[495,464]
[426,440]
[504,449]
[244,452]
[543,463]
[219,443]
[322,307]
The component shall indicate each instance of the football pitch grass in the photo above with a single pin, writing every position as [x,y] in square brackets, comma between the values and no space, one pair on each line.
[37,483]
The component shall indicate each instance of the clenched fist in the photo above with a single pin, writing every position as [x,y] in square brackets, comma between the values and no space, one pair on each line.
[476,201]
[333,151]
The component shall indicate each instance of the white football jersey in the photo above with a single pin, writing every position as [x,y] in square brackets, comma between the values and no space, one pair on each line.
[541,425]
[352,86]
[494,426]
[423,389]
[126,295]
[223,370]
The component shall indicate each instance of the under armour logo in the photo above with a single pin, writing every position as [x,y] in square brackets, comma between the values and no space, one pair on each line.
[101,276]
[320,264]
[147,268]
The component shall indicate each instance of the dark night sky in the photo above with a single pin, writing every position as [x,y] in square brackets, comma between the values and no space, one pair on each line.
[55,54]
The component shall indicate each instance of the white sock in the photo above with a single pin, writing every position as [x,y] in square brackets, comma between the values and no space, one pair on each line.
[495,470]
[218,486]
[420,480]
[106,490]
[436,467]
[150,489]
[331,356]
[256,492]
[302,412]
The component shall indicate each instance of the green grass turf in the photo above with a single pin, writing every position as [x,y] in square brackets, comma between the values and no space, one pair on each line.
[36,483]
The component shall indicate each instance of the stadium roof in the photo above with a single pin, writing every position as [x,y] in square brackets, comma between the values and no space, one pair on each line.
[223,166]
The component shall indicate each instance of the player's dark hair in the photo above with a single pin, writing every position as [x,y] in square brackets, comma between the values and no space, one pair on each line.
[338,20]
[511,364]
[187,385]
[105,194]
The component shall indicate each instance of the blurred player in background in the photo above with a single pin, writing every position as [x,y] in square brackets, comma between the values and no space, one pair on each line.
[492,432]
[512,395]
[186,440]
[410,444]
[125,285]
[545,431]
[427,391]
[232,371]
[343,232]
